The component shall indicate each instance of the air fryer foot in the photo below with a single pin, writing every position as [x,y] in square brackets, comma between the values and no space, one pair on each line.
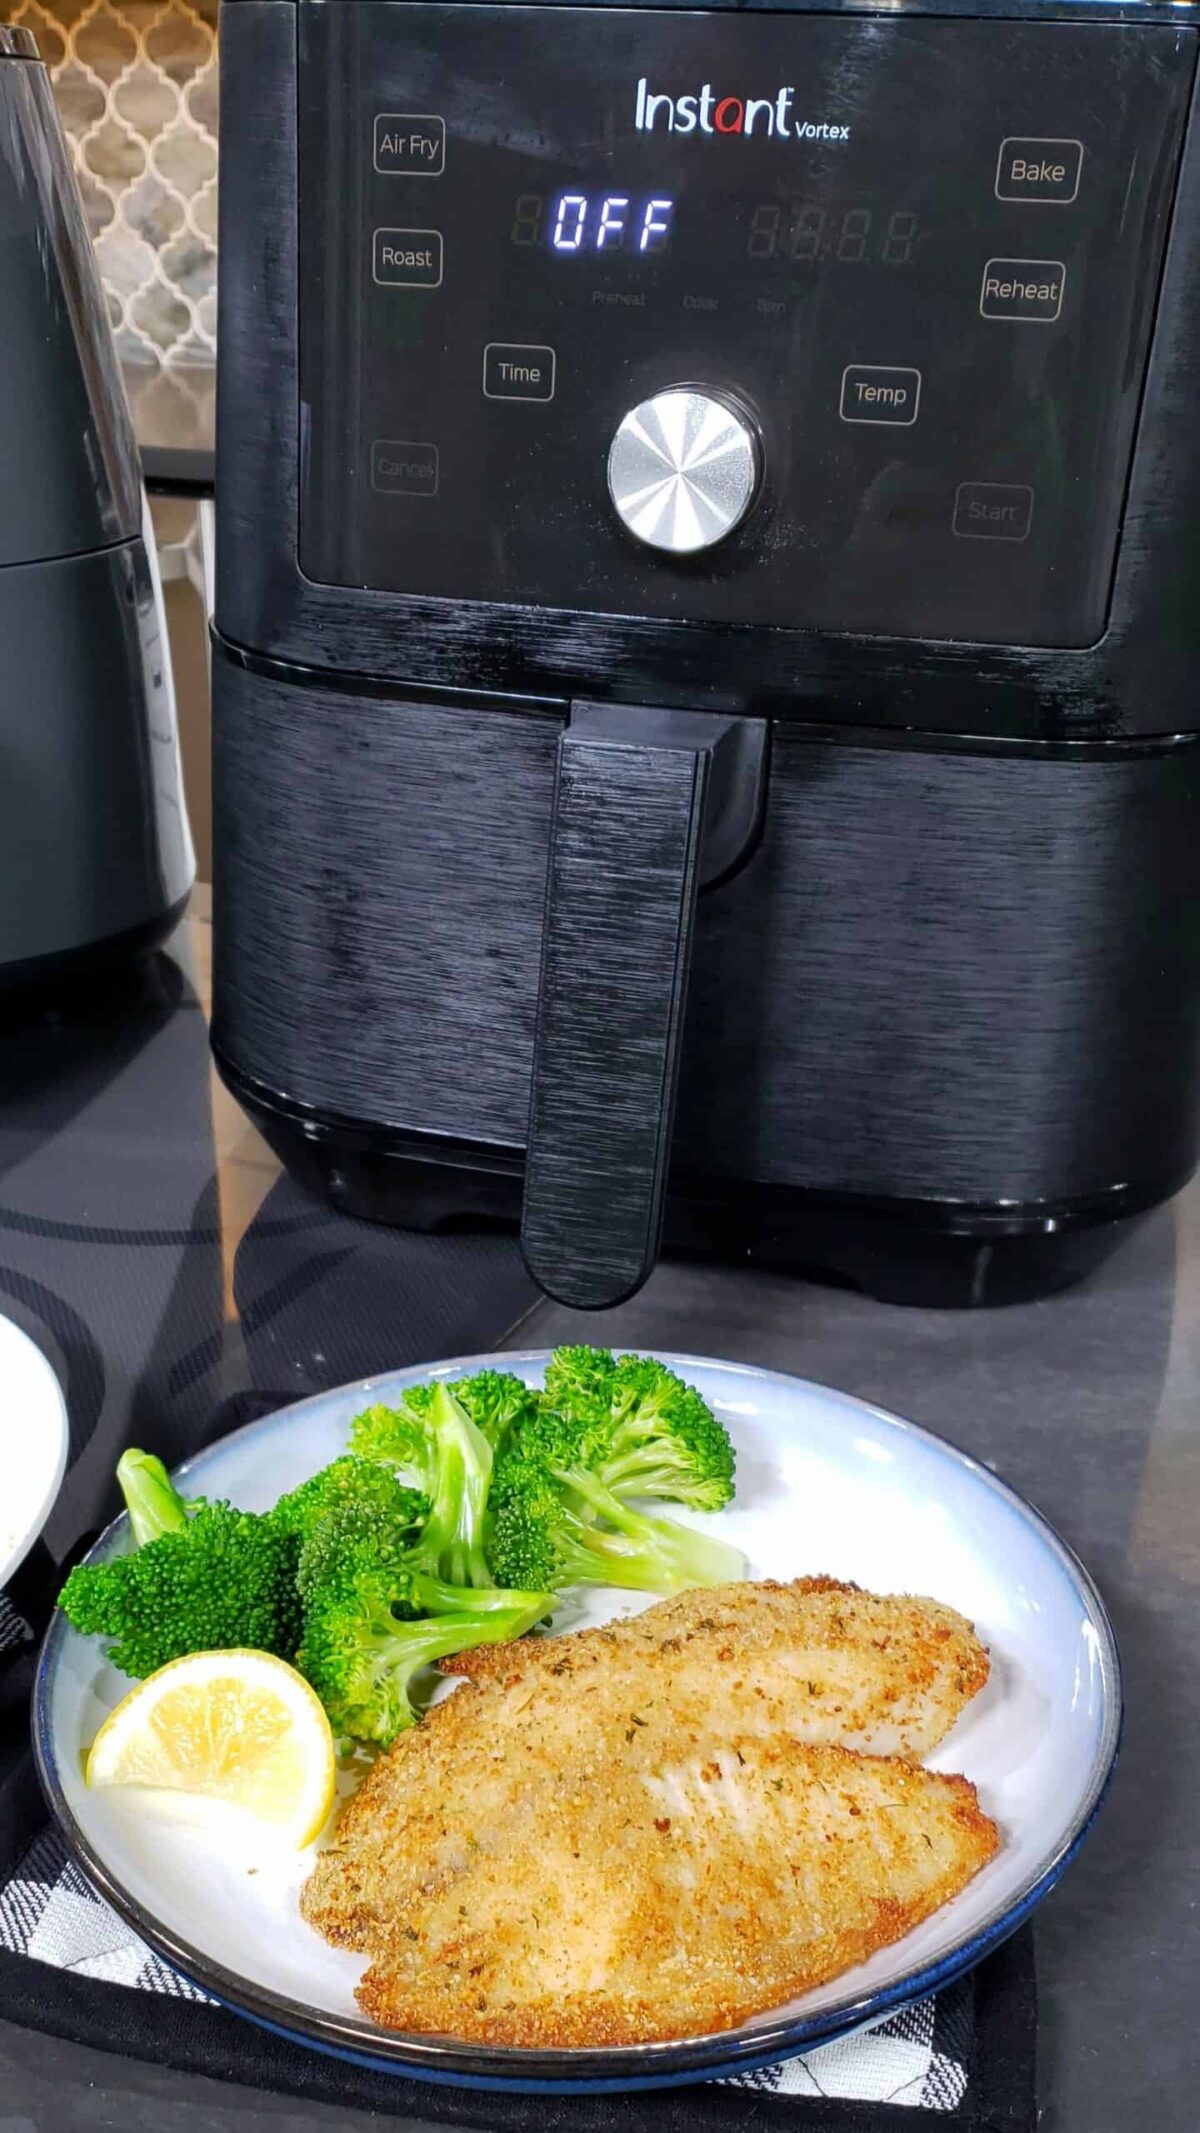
[922,1268]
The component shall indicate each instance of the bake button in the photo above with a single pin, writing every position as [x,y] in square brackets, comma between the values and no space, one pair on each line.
[992,510]
[1028,289]
[399,468]
[512,371]
[408,259]
[1039,170]
[410,144]
[873,393]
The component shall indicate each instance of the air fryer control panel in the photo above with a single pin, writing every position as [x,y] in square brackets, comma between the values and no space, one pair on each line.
[804,321]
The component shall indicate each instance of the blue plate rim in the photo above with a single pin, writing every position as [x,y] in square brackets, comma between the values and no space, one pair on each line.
[612,2068]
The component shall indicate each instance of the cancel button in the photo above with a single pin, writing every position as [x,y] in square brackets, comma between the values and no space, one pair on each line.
[399,468]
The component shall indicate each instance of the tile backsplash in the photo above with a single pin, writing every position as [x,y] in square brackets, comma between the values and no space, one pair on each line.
[136,84]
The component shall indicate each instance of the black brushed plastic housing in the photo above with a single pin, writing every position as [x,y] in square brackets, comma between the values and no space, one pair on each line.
[946,1011]
[961,984]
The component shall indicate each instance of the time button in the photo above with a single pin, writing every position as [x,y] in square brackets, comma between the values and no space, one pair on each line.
[518,371]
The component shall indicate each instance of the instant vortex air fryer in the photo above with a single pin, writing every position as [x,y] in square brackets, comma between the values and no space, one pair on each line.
[95,854]
[707,625]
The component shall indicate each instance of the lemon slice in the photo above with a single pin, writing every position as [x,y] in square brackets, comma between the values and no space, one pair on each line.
[240,1727]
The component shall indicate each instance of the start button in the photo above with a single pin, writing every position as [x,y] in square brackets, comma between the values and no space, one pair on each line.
[993,510]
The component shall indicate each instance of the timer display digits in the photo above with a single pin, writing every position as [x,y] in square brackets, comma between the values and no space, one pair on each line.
[594,222]
[810,231]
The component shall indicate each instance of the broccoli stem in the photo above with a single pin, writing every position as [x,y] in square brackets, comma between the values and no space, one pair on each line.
[418,1644]
[382,1705]
[646,1469]
[151,1498]
[438,1598]
[648,1554]
[451,1543]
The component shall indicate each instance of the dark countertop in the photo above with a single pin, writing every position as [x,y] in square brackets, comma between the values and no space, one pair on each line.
[148,1241]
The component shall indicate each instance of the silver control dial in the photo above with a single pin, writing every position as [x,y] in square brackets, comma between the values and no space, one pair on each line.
[683,469]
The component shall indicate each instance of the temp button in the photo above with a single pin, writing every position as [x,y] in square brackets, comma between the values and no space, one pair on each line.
[513,370]
[873,392]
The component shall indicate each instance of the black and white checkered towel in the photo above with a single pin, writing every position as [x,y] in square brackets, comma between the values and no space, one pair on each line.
[14,1630]
[49,1912]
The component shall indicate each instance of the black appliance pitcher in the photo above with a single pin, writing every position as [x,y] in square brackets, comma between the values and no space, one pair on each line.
[95,854]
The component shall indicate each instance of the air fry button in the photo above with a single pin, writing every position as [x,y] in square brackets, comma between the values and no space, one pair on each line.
[410,144]
[1027,289]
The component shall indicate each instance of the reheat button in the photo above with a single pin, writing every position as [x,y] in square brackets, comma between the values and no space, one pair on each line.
[1039,170]
[1026,289]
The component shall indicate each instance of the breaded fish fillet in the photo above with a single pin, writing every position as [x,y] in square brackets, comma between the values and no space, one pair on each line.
[629,1888]
[815,1659]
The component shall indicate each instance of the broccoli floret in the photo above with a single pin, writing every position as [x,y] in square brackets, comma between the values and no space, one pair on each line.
[377,1489]
[151,1498]
[372,1621]
[431,1439]
[400,1437]
[553,1523]
[665,1441]
[497,1402]
[641,1430]
[578,1377]
[225,1578]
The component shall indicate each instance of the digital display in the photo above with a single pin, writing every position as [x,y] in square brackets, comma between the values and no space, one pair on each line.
[594,222]
[855,235]
[611,222]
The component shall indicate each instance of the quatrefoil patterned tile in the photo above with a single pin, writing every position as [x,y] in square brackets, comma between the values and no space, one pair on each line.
[136,83]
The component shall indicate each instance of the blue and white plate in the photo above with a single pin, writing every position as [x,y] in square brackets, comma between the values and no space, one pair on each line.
[825,1483]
